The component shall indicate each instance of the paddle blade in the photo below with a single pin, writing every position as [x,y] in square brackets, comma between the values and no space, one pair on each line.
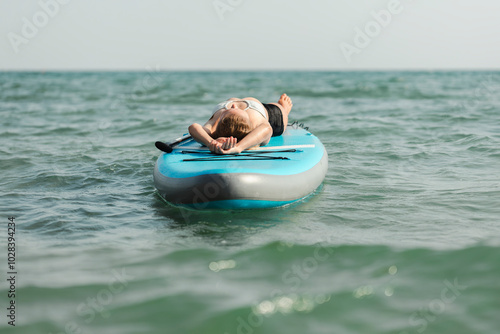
[163,147]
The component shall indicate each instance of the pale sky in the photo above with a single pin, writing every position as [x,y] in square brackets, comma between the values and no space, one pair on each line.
[249,34]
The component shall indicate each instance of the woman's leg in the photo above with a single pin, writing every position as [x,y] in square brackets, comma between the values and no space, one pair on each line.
[285,104]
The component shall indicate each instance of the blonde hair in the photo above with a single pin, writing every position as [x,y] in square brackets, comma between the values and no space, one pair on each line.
[232,125]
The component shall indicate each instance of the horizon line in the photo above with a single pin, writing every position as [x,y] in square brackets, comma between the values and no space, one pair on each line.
[94,70]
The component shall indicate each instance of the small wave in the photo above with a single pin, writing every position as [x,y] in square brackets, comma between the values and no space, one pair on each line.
[368,91]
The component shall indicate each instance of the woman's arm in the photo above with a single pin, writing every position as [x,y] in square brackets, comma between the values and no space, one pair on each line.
[258,136]
[201,134]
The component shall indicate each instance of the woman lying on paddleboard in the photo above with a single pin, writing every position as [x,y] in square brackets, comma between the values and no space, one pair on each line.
[238,124]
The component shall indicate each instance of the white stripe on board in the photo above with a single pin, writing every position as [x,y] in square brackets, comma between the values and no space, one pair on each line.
[265,148]
[261,148]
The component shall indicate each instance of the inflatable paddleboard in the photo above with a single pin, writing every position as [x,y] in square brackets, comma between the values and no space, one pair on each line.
[289,168]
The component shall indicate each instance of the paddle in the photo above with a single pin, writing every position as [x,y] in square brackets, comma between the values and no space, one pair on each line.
[167,148]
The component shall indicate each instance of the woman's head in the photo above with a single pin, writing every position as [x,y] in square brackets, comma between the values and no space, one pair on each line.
[232,125]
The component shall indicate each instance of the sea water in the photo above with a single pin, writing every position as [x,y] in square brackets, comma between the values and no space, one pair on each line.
[402,237]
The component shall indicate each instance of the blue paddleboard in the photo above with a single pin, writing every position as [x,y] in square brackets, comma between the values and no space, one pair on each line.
[287,169]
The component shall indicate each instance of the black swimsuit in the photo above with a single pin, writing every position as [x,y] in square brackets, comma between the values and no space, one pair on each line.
[275,118]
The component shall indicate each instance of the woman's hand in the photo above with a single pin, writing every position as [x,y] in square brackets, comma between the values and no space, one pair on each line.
[233,150]
[230,146]
[224,145]
[214,145]
[229,143]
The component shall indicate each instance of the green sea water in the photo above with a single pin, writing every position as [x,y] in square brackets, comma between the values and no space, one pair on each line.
[403,236]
